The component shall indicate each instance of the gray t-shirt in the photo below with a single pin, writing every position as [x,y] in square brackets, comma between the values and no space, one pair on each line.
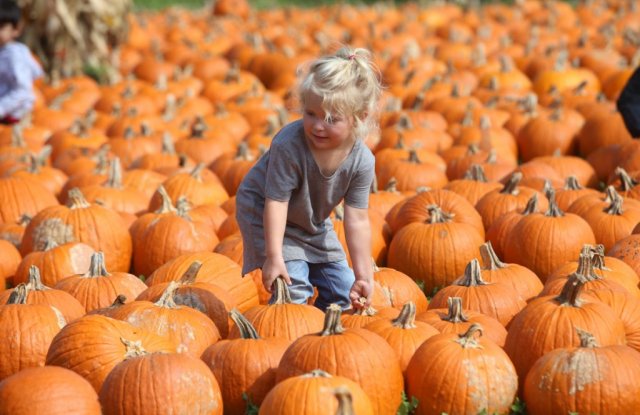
[288,172]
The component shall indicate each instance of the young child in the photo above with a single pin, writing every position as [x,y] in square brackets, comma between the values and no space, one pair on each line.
[18,68]
[284,202]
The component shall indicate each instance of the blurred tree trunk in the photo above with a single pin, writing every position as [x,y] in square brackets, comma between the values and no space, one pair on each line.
[71,37]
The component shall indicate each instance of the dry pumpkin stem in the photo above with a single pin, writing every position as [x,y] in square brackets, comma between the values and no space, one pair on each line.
[166,205]
[626,182]
[476,173]
[489,257]
[554,210]
[167,299]
[345,400]
[615,207]
[316,373]
[332,323]
[436,215]
[196,173]
[183,206]
[472,275]
[511,187]
[120,300]
[281,292]
[470,337]
[569,295]
[97,267]
[114,181]
[19,294]
[76,199]
[456,314]
[189,276]
[407,317]
[247,331]
[571,183]
[587,339]
[35,281]
[597,256]
[133,348]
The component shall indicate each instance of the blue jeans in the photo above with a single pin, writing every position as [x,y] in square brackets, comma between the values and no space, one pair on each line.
[333,280]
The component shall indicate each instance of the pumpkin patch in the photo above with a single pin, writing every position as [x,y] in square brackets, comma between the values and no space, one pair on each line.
[504,217]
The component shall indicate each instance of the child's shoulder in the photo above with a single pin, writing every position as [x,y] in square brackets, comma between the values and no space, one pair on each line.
[290,137]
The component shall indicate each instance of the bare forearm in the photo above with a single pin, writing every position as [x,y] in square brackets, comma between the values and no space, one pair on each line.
[275,221]
[358,236]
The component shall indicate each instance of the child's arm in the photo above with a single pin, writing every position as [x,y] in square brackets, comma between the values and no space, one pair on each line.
[358,236]
[275,221]
[20,97]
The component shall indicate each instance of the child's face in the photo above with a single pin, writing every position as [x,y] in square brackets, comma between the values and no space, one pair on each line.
[7,33]
[325,134]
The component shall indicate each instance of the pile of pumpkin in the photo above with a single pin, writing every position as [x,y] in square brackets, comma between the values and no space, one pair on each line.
[507,191]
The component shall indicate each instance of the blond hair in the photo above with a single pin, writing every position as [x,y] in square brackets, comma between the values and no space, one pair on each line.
[348,84]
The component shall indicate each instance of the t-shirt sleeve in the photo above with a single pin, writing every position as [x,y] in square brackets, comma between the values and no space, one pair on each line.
[282,173]
[357,195]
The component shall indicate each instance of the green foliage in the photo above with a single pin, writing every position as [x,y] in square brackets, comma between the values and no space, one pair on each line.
[518,407]
[406,407]
[251,408]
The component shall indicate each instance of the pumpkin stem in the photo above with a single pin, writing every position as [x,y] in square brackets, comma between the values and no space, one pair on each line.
[97,267]
[339,212]
[571,291]
[587,340]
[472,275]
[469,338]
[317,373]
[35,281]
[627,182]
[436,215]
[511,187]
[571,183]
[166,205]
[392,185]
[615,208]
[198,128]
[189,276]
[134,348]
[456,314]
[281,292]
[247,331]
[167,144]
[167,299]
[597,257]
[345,401]
[476,173]
[76,199]
[490,258]
[332,323]
[114,181]
[19,294]
[196,173]
[413,156]
[554,210]
[120,300]
[183,206]
[407,317]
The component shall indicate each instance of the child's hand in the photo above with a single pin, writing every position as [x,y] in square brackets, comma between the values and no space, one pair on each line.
[361,293]
[271,270]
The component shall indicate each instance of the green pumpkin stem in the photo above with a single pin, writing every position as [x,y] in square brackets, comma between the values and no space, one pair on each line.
[456,313]
[332,323]
[281,292]
[489,257]
[97,267]
[407,317]
[247,331]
